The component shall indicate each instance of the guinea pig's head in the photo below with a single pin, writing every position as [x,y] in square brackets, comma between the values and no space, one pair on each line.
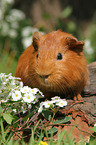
[59,61]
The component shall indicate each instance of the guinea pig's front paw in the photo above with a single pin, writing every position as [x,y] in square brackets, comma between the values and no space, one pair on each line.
[77,99]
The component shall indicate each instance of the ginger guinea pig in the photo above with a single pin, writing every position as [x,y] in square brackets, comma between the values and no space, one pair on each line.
[55,64]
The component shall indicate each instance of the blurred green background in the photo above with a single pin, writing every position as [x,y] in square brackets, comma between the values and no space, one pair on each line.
[19,19]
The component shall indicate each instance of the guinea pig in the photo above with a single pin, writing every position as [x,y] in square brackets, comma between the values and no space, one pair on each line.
[55,64]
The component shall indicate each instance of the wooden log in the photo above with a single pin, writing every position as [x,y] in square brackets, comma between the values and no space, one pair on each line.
[90,89]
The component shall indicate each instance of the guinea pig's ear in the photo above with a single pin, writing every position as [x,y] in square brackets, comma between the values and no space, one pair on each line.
[36,38]
[73,43]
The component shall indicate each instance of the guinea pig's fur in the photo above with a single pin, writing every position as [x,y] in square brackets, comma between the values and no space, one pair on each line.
[55,64]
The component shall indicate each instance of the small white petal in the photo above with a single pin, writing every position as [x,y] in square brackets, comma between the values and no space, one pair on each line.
[61,103]
[34,91]
[14,110]
[28,97]
[95,124]
[25,89]
[40,109]
[21,84]
[47,104]
[55,98]
[16,95]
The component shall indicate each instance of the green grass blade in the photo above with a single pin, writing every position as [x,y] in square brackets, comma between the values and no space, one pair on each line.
[2,131]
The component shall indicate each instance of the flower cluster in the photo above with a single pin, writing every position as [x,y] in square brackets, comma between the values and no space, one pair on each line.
[8,82]
[19,98]
[11,88]
[55,101]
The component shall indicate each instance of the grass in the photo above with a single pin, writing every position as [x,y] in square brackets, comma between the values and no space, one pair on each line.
[7,61]
[63,138]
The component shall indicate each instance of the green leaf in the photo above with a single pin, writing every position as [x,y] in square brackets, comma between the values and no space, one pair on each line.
[52,130]
[47,114]
[1,110]
[94,128]
[8,118]
[62,120]
[66,12]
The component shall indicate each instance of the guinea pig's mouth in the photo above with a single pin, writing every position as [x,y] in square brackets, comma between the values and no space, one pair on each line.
[44,80]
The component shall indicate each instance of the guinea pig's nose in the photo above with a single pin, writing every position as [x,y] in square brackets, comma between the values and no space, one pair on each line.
[44,77]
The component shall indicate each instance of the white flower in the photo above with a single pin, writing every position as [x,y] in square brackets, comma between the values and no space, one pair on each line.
[61,103]
[88,47]
[10,77]
[13,83]
[16,95]
[29,106]
[13,33]
[7,80]
[40,109]
[95,124]
[3,101]
[16,15]
[4,83]
[47,104]
[2,75]
[28,97]
[26,41]
[34,91]
[25,89]
[14,110]
[55,98]
[26,31]
[16,78]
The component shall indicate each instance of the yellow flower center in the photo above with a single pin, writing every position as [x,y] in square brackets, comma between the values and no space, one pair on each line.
[16,95]
[28,97]
[61,103]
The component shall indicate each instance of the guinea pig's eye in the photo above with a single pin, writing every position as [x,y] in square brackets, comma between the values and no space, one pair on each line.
[59,56]
[37,55]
